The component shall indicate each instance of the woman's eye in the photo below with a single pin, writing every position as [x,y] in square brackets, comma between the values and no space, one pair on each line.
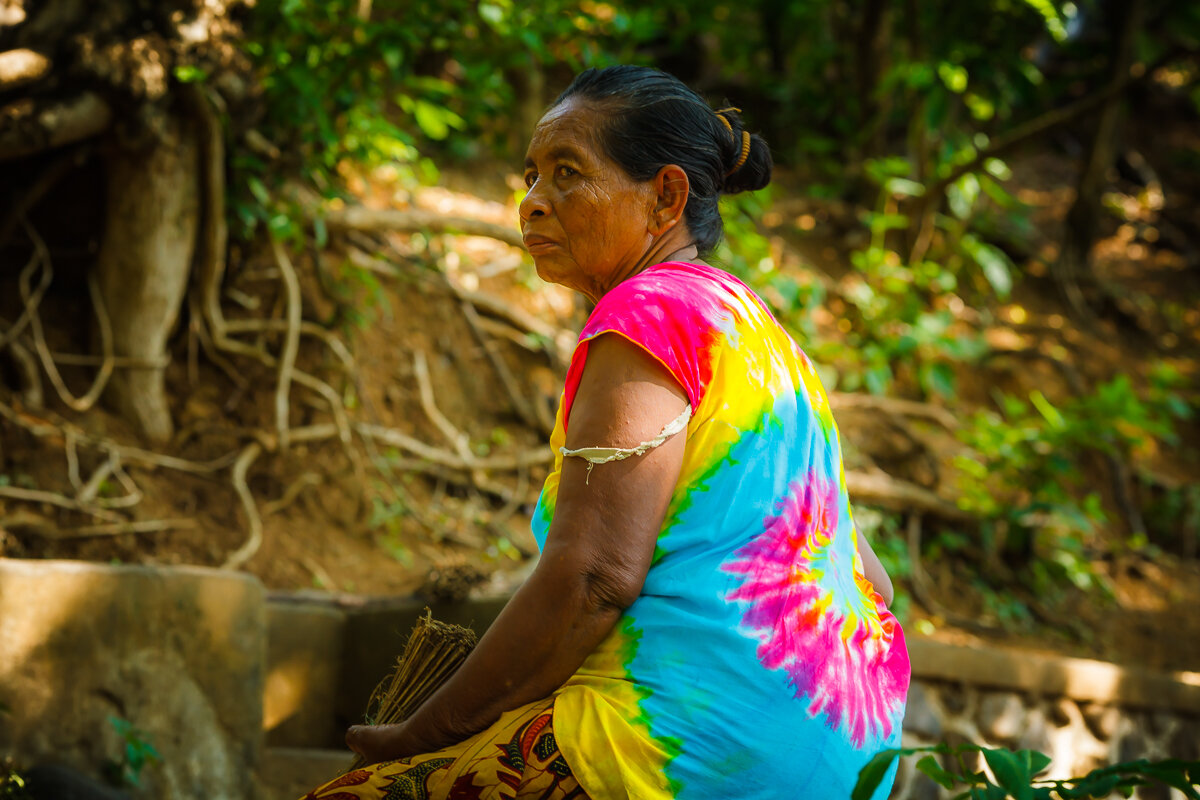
[566,172]
[530,179]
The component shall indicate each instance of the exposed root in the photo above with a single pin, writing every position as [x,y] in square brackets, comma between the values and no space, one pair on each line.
[415,220]
[123,528]
[56,499]
[290,494]
[30,379]
[457,439]
[841,401]
[291,342]
[253,521]
[394,438]
[526,410]
[880,489]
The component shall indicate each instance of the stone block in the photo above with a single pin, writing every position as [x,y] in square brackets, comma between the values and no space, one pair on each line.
[1001,716]
[1035,735]
[177,652]
[921,714]
[375,636]
[287,772]
[1185,742]
[1101,719]
[304,670]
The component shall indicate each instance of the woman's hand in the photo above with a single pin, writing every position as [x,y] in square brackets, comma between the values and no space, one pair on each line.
[377,743]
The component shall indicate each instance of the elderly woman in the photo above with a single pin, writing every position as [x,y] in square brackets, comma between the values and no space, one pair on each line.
[704,620]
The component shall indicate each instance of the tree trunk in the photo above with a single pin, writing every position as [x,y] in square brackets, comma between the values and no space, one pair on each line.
[149,238]
[1073,269]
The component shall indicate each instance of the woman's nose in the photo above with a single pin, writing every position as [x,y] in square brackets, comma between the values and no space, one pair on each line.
[534,204]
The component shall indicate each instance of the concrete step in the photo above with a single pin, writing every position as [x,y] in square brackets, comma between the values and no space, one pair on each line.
[326,653]
[286,773]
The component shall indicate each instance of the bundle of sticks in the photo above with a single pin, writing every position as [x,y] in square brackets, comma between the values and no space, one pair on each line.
[433,652]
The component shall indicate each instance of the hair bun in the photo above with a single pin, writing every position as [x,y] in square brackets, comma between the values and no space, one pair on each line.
[754,172]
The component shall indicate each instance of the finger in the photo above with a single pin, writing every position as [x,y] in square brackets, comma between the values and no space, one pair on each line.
[354,738]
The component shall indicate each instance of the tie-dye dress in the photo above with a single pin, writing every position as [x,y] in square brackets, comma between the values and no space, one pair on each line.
[758,661]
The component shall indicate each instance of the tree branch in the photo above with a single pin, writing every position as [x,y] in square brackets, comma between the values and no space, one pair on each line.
[1058,117]
[880,489]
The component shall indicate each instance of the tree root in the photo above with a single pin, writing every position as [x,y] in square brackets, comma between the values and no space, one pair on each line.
[291,343]
[123,528]
[880,489]
[457,439]
[415,220]
[56,499]
[253,521]
[842,401]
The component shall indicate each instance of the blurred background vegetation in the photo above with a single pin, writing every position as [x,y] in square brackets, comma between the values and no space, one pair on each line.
[986,211]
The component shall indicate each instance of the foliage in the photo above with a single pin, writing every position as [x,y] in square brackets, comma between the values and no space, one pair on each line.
[1023,474]
[878,109]
[896,315]
[12,783]
[1013,774]
[388,89]
[137,754]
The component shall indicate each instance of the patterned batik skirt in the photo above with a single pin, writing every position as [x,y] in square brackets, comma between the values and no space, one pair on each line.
[518,757]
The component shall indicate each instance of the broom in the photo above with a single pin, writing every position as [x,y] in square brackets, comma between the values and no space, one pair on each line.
[433,652]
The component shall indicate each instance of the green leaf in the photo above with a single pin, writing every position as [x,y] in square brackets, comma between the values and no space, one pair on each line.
[904,187]
[998,169]
[320,232]
[435,121]
[259,190]
[871,775]
[954,76]
[1095,784]
[930,766]
[1035,762]
[1181,775]
[996,267]
[989,791]
[1011,771]
[881,223]
[939,378]
[186,73]
[880,169]
[1047,409]
[962,195]
[1054,23]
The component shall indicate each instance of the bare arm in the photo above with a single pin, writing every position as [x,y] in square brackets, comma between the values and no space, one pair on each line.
[596,557]
[874,570]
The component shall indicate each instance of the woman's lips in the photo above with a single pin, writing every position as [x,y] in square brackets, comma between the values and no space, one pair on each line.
[539,244]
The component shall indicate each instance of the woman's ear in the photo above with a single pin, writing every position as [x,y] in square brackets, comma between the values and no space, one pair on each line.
[672,187]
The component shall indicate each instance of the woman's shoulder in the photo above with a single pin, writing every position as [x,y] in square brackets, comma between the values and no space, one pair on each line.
[673,276]
[677,289]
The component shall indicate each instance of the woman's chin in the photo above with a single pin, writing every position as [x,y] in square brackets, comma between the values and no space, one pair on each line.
[551,270]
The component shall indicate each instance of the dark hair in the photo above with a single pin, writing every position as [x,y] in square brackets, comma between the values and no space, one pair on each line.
[655,120]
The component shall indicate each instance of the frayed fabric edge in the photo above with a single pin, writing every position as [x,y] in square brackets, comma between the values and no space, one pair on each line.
[603,455]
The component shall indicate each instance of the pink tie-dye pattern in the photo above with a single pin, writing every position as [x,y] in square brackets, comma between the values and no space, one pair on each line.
[834,649]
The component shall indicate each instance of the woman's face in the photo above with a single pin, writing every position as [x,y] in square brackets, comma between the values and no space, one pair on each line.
[584,220]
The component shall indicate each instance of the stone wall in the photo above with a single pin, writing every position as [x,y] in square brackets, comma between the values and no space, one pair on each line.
[208,667]
[179,653]
[1081,713]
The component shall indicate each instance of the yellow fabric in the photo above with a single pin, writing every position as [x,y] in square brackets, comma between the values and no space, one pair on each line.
[599,720]
[517,757]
